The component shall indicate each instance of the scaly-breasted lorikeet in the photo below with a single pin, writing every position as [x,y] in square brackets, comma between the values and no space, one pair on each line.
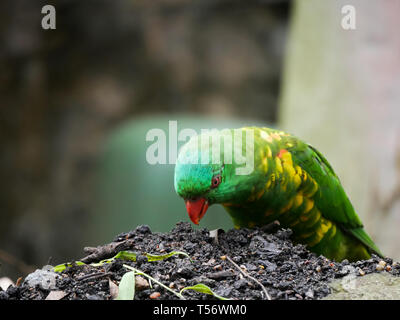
[291,182]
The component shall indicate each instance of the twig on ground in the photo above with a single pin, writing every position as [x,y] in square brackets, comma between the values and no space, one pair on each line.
[94,275]
[141,273]
[244,273]
[106,251]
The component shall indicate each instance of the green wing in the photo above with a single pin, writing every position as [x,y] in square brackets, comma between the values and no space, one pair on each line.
[331,199]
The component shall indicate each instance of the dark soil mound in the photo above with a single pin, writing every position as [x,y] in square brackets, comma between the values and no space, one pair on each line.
[286,271]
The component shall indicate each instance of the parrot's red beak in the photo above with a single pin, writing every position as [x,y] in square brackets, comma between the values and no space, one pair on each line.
[196,209]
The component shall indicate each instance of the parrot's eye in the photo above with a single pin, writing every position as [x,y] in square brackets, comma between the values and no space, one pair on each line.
[216,180]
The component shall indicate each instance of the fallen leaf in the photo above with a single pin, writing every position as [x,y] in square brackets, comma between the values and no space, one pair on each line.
[202,288]
[56,295]
[5,283]
[127,286]
[215,233]
[113,289]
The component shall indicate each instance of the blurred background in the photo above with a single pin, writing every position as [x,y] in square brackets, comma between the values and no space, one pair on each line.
[76,104]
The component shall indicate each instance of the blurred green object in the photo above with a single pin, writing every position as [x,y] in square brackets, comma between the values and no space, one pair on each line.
[131,192]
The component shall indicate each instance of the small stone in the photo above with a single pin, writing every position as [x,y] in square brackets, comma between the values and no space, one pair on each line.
[141,283]
[44,279]
[382,263]
[379,267]
[223,257]
[318,269]
[217,267]
[143,229]
[347,269]
[237,259]
[361,272]
[155,295]
[209,262]
[171,285]
[310,294]
[388,268]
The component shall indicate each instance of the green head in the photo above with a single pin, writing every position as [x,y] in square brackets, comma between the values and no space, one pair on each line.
[203,178]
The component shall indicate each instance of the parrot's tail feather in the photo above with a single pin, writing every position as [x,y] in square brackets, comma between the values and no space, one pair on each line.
[361,235]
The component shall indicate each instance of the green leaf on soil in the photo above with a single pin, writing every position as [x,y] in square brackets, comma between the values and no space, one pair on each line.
[126,288]
[126,255]
[63,266]
[155,257]
[123,255]
[202,288]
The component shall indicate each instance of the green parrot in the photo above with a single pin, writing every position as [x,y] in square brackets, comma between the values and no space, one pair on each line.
[288,181]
